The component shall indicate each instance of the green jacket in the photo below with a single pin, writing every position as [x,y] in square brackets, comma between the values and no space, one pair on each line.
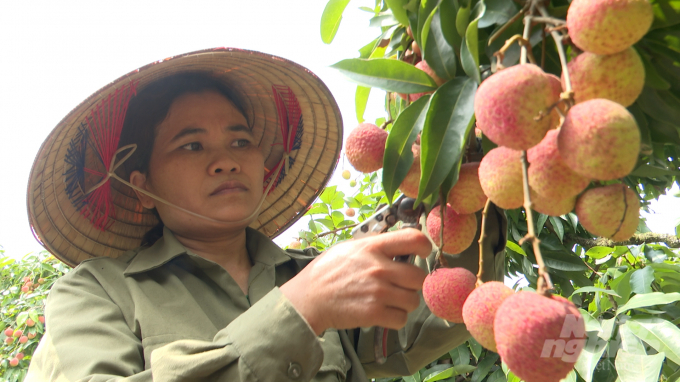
[163,313]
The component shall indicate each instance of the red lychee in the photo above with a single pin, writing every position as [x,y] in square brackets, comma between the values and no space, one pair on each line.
[467,196]
[295,244]
[9,332]
[459,229]
[30,322]
[31,336]
[445,291]
[41,319]
[19,356]
[608,26]
[500,175]
[599,140]
[549,175]
[618,77]
[14,362]
[9,340]
[409,186]
[480,309]
[23,339]
[365,147]
[552,207]
[18,333]
[350,212]
[507,121]
[611,211]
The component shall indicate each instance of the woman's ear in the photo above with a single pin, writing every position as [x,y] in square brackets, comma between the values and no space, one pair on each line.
[139,180]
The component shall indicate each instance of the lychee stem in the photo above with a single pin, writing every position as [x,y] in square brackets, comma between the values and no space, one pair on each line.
[482,238]
[440,252]
[560,49]
[543,285]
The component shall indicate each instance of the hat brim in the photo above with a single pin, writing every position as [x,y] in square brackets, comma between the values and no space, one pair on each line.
[60,226]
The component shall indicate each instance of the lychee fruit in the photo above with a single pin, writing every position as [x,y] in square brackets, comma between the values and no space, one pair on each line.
[19,356]
[538,337]
[467,196]
[30,323]
[25,289]
[352,183]
[459,229]
[18,333]
[599,140]
[295,244]
[500,175]
[26,279]
[409,186]
[554,116]
[611,211]
[41,280]
[23,339]
[346,174]
[350,212]
[549,175]
[618,77]
[480,309]
[422,65]
[366,147]
[608,26]
[31,336]
[552,207]
[9,332]
[9,340]
[14,362]
[508,102]
[41,319]
[445,291]
[416,49]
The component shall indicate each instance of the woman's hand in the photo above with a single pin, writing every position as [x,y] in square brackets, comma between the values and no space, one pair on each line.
[357,284]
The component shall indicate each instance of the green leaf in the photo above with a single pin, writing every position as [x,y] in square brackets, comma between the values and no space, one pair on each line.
[599,252]
[648,171]
[658,333]
[448,11]
[594,289]
[436,50]
[652,78]
[444,133]
[398,156]
[475,348]
[637,367]
[595,346]
[463,19]
[513,246]
[497,12]
[21,318]
[469,51]
[653,102]
[484,367]
[629,342]
[424,11]
[460,355]
[318,208]
[641,280]
[330,19]
[360,101]
[666,13]
[450,372]
[649,299]
[540,222]
[497,376]
[398,10]
[621,285]
[571,377]
[563,261]
[388,74]
[558,226]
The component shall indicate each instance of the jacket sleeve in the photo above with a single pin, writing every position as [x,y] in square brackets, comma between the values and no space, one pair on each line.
[425,336]
[89,338]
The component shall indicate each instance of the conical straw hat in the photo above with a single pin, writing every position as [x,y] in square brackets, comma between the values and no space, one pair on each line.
[62,222]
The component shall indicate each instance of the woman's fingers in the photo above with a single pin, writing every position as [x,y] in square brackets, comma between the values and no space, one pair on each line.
[407,241]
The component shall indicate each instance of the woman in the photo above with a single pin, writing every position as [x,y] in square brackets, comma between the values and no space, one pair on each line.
[219,151]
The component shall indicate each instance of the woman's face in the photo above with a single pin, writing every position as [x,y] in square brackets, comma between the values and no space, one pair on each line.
[204,159]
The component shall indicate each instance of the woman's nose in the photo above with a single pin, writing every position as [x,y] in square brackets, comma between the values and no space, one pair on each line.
[223,162]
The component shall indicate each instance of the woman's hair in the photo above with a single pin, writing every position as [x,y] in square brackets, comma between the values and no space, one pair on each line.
[149,108]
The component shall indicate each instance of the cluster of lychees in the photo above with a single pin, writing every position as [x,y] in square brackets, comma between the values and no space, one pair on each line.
[22,336]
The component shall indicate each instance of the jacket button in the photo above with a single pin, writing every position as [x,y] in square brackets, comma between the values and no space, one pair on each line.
[294,370]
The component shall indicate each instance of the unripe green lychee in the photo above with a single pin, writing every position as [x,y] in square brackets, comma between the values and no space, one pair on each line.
[500,175]
[538,337]
[480,309]
[599,140]
[552,207]
[508,102]
[619,77]
[467,196]
[346,174]
[352,183]
[459,229]
[365,147]
[445,291]
[608,26]
[350,212]
[611,211]
[549,175]
[409,186]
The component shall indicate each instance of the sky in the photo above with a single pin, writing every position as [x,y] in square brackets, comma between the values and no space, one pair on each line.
[54,54]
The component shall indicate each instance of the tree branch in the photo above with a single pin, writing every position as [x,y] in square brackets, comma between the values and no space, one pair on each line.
[671,241]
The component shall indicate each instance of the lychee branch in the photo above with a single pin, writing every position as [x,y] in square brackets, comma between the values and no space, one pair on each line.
[560,51]
[543,284]
[671,241]
[482,238]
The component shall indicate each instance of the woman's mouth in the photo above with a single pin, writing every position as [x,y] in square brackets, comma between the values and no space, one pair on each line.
[229,187]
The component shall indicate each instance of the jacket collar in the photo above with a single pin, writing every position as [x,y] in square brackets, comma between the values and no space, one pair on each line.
[260,248]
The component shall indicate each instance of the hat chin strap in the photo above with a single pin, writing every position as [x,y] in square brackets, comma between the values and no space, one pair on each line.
[132,147]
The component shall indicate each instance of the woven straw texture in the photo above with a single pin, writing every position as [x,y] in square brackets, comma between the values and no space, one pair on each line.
[61,229]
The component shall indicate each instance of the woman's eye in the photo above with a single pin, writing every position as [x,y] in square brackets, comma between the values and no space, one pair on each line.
[241,143]
[193,146]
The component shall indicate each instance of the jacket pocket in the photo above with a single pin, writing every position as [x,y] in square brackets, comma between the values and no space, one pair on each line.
[335,364]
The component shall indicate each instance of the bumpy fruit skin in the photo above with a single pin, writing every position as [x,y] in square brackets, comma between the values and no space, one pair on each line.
[549,175]
[554,116]
[365,147]
[480,309]
[599,140]
[611,211]
[508,122]
[459,230]
[445,291]
[409,186]
[538,337]
[500,175]
[467,196]
[552,207]
[618,77]
[608,26]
